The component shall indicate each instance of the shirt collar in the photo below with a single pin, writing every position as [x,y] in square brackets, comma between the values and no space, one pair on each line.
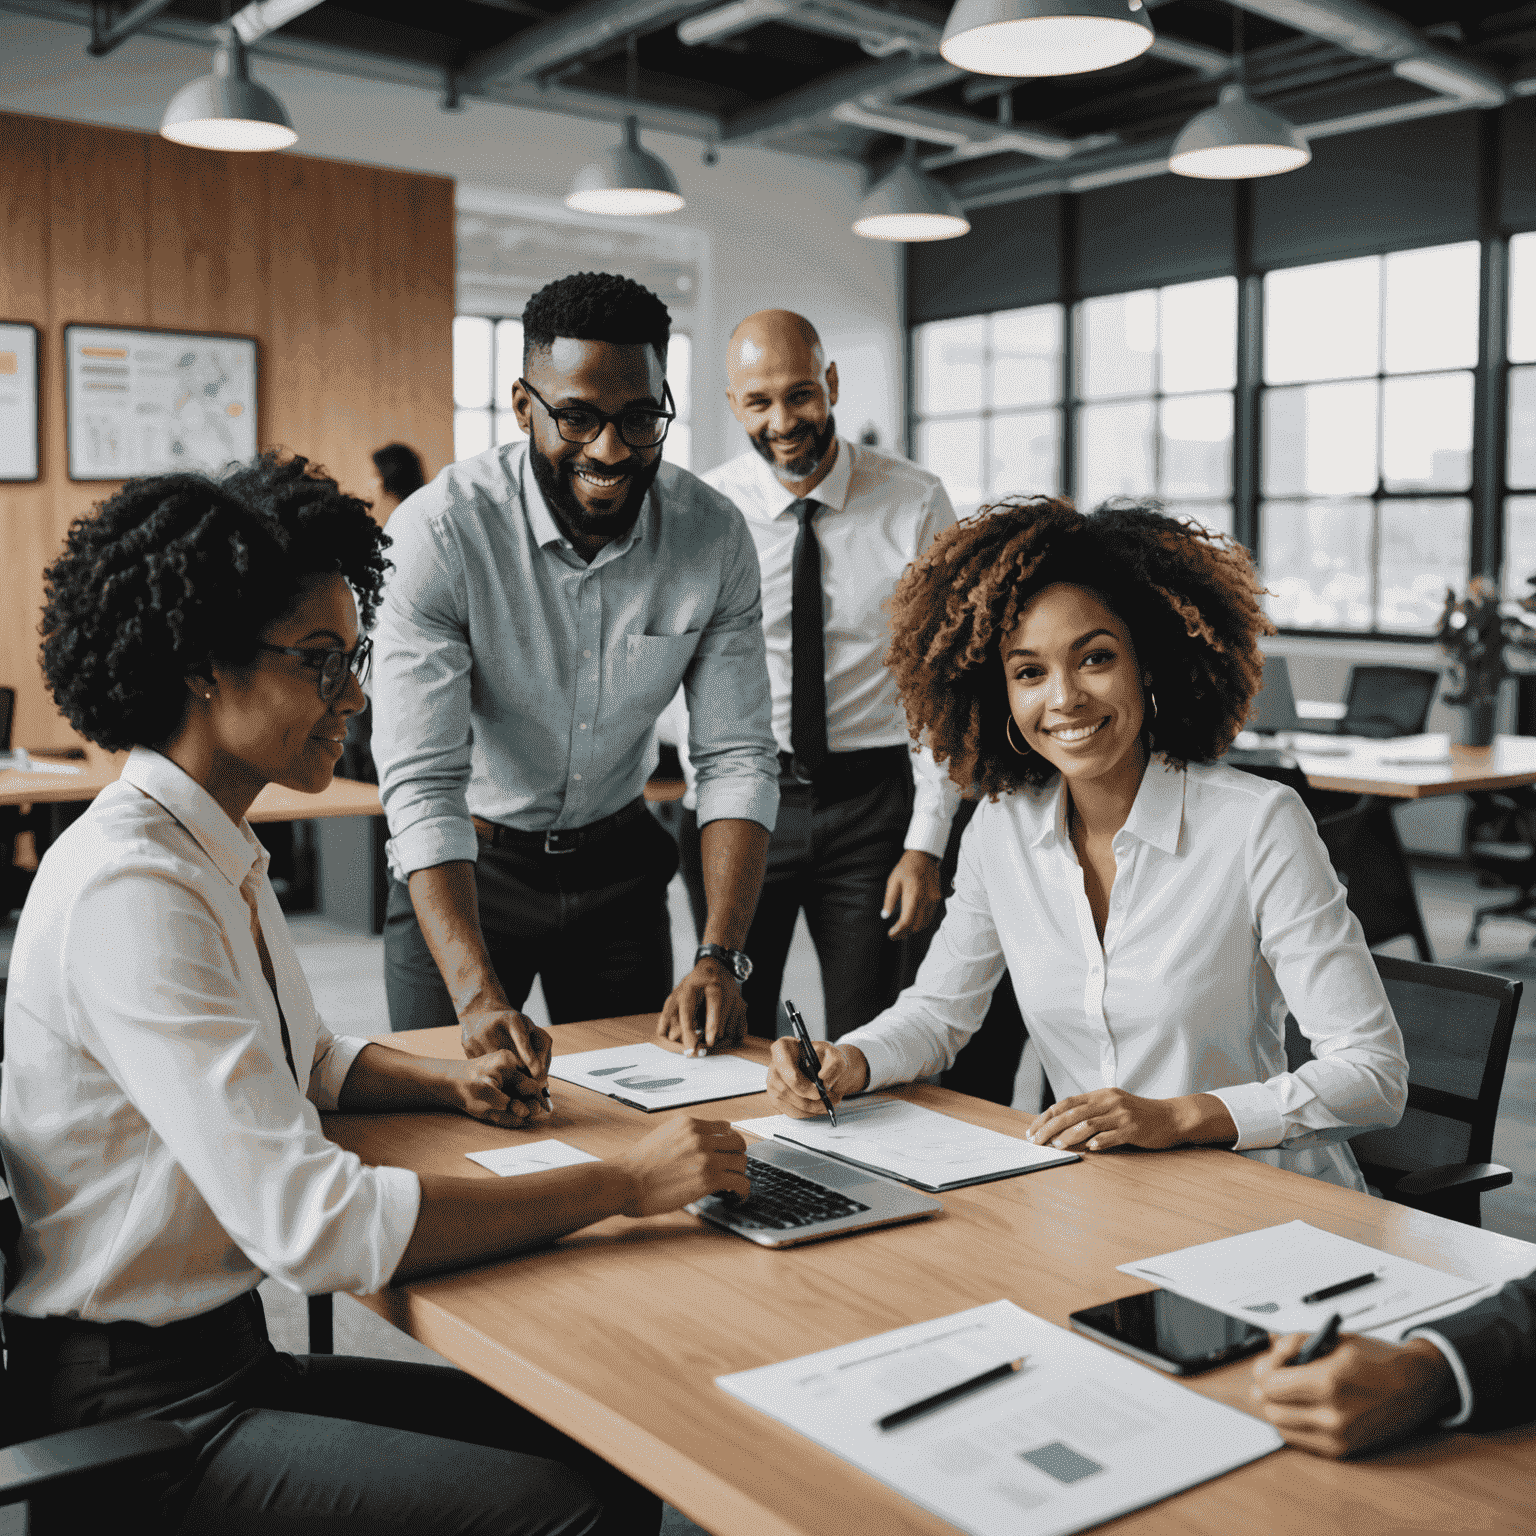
[776,497]
[233,849]
[1158,813]
[546,531]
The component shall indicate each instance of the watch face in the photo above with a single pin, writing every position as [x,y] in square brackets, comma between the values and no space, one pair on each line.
[741,965]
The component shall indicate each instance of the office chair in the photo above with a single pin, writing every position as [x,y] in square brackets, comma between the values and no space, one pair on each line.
[7,715]
[72,1474]
[1456,1026]
[1382,702]
[1362,845]
[1501,847]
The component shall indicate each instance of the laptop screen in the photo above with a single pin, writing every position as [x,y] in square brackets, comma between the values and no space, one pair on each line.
[1274,710]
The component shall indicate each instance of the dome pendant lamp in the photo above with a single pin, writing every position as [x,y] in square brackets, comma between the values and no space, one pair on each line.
[227,109]
[1044,37]
[910,206]
[1237,139]
[629,179]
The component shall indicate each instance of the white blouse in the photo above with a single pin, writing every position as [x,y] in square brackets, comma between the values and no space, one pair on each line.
[1225,913]
[161,1153]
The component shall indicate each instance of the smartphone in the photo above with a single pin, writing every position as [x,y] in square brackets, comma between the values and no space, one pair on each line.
[1170,1332]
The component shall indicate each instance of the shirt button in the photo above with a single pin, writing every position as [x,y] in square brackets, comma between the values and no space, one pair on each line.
[582,726]
[587,654]
[577,777]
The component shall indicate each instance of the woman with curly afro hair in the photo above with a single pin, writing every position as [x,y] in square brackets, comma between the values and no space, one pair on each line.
[1158,912]
[166,1068]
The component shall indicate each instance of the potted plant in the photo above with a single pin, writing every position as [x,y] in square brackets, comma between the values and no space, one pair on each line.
[1484,641]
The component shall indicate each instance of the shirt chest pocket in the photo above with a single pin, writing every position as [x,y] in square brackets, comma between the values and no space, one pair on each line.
[651,667]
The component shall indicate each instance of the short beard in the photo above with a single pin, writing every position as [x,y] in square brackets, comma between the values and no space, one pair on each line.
[573,519]
[808,462]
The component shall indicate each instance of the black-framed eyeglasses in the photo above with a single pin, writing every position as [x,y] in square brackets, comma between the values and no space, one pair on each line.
[330,666]
[640,426]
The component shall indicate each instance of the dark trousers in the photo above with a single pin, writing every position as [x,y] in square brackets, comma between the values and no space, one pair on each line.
[592,924]
[830,859]
[291,1445]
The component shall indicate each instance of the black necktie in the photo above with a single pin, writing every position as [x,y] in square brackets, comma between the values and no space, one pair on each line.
[808,675]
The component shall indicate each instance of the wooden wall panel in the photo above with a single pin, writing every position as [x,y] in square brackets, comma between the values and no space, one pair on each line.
[343,273]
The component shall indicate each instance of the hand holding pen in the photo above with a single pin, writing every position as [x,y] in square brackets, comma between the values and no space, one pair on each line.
[841,1070]
[810,1063]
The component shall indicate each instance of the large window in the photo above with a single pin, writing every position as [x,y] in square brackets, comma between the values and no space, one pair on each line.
[488,361]
[1155,373]
[1367,438]
[1520,461]
[987,397]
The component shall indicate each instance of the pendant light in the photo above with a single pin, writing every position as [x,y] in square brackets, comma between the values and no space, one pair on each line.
[1237,139]
[629,179]
[909,205]
[227,109]
[1044,37]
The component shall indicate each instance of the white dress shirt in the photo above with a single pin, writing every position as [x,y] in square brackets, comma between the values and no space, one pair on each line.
[1225,912]
[878,514]
[160,1152]
[520,683]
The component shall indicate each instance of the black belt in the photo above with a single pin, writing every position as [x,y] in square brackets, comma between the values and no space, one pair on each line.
[554,841]
[844,774]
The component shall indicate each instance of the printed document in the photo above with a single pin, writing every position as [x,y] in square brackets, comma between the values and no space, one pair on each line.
[650,1078]
[1078,1436]
[916,1145]
[1262,1276]
[531,1157]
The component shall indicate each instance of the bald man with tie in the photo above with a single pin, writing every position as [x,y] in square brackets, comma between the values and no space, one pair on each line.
[863,821]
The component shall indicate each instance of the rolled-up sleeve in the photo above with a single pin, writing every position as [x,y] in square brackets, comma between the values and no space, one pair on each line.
[926,1027]
[1312,942]
[421,698]
[730,710]
[169,1023]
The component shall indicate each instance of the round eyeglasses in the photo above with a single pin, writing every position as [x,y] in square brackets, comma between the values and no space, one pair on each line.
[330,667]
[640,426]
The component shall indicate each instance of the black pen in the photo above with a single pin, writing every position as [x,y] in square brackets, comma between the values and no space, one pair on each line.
[1339,1289]
[949,1395]
[810,1064]
[1321,1343]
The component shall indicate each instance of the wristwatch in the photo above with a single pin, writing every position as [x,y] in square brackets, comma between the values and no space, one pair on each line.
[739,965]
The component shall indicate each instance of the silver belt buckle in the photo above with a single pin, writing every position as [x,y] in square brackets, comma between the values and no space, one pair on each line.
[551,846]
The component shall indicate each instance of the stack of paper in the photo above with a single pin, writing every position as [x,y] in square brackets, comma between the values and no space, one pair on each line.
[916,1145]
[1262,1277]
[1076,1437]
[650,1078]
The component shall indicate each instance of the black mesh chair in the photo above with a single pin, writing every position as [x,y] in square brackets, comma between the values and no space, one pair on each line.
[1456,1028]
[1361,839]
[69,1478]
[1382,702]
[1501,846]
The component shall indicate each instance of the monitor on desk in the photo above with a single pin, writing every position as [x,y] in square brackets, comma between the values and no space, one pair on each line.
[1274,709]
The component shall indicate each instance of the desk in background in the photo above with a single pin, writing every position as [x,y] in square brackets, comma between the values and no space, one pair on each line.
[615,1334]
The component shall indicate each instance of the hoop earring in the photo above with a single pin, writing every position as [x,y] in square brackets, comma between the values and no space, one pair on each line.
[1008,732]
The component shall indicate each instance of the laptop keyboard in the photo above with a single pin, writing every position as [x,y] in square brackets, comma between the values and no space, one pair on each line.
[781,1200]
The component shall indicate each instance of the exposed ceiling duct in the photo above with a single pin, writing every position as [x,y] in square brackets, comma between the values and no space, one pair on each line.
[1364,29]
[878,32]
[263,16]
[593,28]
[968,138]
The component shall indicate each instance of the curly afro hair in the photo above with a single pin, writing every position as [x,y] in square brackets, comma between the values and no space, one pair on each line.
[596,306]
[177,571]
[1189,597]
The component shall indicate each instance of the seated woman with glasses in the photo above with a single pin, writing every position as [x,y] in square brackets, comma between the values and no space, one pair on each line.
[165,1066]
[1159,912]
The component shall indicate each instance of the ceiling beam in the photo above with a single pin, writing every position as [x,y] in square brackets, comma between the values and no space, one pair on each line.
[594,27]
[888,80]
[105,39]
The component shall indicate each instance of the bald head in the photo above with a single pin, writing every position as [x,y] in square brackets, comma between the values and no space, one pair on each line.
[781,388]
[778,337]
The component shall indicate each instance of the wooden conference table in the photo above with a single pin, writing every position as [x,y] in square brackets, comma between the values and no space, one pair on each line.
[341,797]
[615,1334]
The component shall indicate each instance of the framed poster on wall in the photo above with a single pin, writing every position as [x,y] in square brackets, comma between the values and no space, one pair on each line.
[20,458]
[149,402]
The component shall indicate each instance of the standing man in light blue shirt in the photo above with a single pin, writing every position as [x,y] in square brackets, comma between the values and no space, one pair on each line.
[548,599]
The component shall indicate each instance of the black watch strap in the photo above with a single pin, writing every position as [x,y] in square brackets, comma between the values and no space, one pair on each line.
[734,960]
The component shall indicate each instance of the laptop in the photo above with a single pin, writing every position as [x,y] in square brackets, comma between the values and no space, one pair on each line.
[800,1196]
[1274,710]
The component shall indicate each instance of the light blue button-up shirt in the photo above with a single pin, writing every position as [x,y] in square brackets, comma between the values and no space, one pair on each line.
[518,683]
